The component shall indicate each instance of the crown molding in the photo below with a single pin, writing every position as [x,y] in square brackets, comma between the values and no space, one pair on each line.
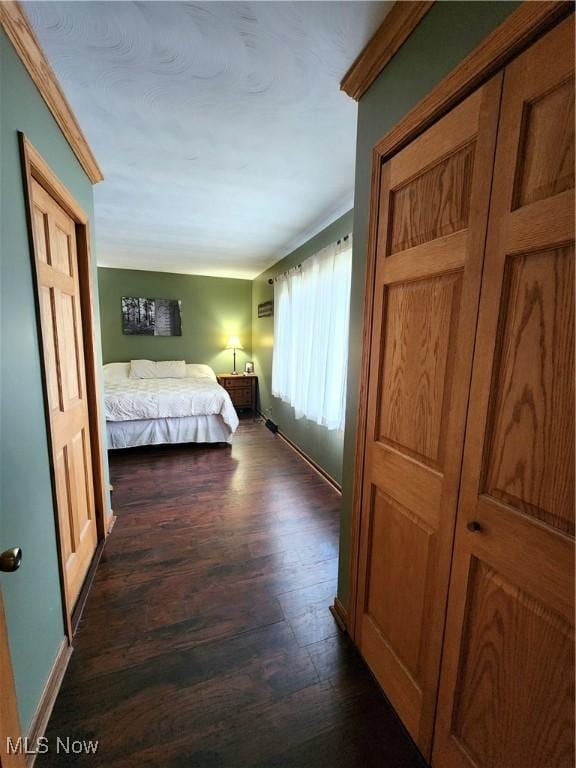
[15,24]
[398,25]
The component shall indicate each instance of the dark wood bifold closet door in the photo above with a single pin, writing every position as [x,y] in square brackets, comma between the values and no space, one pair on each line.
[433,209]
[507,690]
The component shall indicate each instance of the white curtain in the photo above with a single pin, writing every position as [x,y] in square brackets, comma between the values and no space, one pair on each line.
[311,314]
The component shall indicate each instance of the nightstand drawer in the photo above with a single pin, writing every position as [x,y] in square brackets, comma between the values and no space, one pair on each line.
[235,382]
[242,397]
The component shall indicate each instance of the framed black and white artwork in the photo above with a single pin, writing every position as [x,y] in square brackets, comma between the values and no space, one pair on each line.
[151,317]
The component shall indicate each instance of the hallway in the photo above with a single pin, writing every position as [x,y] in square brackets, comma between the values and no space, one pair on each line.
[207,639]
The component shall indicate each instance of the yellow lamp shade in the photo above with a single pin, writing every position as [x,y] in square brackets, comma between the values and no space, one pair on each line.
[234,343]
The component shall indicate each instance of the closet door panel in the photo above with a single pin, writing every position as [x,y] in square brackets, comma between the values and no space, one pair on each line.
[507,689]
[529,461]
[433,209]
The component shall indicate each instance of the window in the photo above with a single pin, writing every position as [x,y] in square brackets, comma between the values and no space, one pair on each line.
[311,314]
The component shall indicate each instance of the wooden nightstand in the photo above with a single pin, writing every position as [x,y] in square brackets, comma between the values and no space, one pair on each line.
[241,388]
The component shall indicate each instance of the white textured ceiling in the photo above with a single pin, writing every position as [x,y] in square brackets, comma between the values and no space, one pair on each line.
[219,126]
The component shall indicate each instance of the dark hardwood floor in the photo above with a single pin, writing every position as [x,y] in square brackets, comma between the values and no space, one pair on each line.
[206,641]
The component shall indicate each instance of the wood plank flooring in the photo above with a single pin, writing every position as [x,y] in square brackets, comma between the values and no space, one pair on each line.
[206,641]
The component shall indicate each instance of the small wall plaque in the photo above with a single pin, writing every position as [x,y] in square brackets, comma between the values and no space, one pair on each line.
[266,309]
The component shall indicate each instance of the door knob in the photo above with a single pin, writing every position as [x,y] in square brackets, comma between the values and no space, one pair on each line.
[11,560]
[474,526]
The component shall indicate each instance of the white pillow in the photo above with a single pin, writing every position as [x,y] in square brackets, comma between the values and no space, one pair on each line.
[199,371]
[116,372]
[142,369]
[166,369]
[171,369]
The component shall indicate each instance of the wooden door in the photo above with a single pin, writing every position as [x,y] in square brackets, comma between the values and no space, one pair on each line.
[507,690]
[433,209]
[10,730]
[59,300]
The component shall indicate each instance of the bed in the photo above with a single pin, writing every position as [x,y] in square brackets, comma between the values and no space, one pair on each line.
[170,402]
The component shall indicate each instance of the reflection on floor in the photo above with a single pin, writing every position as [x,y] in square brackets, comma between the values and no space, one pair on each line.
[206,640]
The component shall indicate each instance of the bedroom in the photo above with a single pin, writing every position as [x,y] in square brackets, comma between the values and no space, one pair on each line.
[286,383]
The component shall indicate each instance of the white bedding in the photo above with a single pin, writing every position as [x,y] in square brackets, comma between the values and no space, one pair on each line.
[186,429]
[138,399]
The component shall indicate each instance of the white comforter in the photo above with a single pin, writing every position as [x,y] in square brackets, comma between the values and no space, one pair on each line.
[130,399]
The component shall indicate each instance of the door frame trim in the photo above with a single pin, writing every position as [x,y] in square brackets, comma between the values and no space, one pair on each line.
[9,713]
[35,167]
[530,21]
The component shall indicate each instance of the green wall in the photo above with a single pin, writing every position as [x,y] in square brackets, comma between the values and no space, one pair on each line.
[448,32]
[323,445]
[213,308]
[32,595]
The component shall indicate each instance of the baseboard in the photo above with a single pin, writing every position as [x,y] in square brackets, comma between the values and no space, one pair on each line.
[340,614]
[48,698]
[337,487]
[84,592]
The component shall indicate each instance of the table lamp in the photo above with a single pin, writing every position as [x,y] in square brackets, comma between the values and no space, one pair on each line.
[234,344]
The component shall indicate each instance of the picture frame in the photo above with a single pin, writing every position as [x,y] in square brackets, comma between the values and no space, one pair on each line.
[249,367]
[151,317]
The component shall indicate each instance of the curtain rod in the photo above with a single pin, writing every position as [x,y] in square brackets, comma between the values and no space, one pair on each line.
[299,266]
[271,280]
